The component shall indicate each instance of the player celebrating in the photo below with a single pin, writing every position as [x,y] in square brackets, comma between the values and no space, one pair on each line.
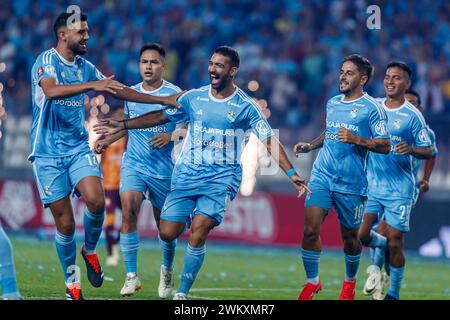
[60,153]
[355,125]
[392,179]
[207,174]
[146,167]
[7,270]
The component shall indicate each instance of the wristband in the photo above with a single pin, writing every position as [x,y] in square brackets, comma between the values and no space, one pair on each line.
[290,172]
[125,125]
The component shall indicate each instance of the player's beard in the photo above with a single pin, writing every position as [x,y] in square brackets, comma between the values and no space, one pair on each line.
[76,48]
[349,89]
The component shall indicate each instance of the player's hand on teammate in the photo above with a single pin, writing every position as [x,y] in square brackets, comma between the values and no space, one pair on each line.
[108,85]
[302,147]
[345,135]
[300,184]
[159,141]
[100,146]
[403,148]
[423,186]
[108,127]
[171,100]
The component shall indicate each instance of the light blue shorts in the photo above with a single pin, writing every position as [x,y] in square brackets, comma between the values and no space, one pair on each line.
[184,205]
[396,212]
[158,189]
[349,207]
[56,178]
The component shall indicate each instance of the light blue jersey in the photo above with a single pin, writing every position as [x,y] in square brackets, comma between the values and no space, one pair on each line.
[393,176]
[418,162]
[340,166]
[140,156]
[58,124]
[211,151]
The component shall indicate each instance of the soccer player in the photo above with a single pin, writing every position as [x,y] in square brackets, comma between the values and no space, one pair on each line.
[207,174]
[7,270]
[355,125]
[111,162]
[60,154]
[147,166]
[393,188]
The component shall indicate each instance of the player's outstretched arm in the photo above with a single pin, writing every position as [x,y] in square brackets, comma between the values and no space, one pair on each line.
[110,126]
[52,90]
[104,142]
[128,94]
[277,151]
[374,145]
[304,147]
[417,152]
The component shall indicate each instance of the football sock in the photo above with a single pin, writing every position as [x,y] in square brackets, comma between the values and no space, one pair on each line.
[66,248]
[129,244]
[168,252]
[351,266]
[311,264]
[377,241]
[193,261]
[7,272]
[396,281]
[92,229]
[378,257]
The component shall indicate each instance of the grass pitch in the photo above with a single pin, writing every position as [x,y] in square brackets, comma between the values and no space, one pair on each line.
[228,272]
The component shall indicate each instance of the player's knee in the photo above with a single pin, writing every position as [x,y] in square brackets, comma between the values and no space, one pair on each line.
[95,205]
[66,227]
[364,237]
[395,246]
[197,239]
[167,235]
[311,233]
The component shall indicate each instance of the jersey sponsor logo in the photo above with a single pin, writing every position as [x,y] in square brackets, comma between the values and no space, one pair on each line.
[156,129]
[69,103]
[380,128]
[233,104]
[171,111]
[199,112]
[79,75]
[351,127]
[202,99]
[401,114]
[262,127]
[397,123]
[423,136]
[353,113]
[358,104]
[214,131]
[231,116]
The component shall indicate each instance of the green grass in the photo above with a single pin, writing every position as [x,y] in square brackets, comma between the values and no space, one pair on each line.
[229,272]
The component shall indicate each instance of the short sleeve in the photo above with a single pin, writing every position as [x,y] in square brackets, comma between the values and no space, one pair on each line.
[432,137]
[420,132]
[45,67]
[378,123]
[93,73]
[180,115]
[252,118]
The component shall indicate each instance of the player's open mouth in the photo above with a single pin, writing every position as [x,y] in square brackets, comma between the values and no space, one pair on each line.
[390,88]
[214,78]
[83,45]
[148,74]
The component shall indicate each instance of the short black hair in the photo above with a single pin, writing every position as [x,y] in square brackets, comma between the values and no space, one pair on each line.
[401,65]
[414,93]
[153,46]
[61,21]
[362,63]
[231,53]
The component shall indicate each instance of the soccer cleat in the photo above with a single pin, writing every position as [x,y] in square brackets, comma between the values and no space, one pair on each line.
[180,296]
[309,290]
[373,280]
[131,286]
[165,283]
[380,290]
[93,267]
[348,290]
[73,292]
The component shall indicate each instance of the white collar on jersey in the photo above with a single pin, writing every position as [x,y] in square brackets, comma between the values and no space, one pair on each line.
[351,101]
[141,86]
[395,109]
[222,100]
[69,63]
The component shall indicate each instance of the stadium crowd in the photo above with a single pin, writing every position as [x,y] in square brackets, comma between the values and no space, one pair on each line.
[293,55]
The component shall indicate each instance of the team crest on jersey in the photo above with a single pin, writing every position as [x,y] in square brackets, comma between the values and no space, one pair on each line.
[47,190]
[79,75]
[354,113]
[50,70]
[231,116]
[397,124]
[262,127]
[171,111]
